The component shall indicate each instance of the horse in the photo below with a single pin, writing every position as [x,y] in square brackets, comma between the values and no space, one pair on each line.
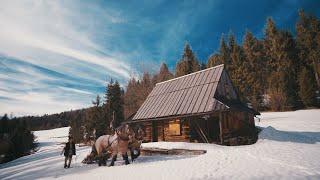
[135,142]
[112,145]
[124,134]
[107,145]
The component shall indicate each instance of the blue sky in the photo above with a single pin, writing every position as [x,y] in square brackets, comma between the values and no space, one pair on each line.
[57,55]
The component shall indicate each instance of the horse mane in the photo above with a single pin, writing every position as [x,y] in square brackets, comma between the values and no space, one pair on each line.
[120,132]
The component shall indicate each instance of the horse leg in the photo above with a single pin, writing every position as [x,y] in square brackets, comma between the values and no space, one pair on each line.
[132,155]
[100,160]
[114,158]
[104,162]
[137,155]
[125,157]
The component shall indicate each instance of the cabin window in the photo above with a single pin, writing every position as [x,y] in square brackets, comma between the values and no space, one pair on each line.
[175,127]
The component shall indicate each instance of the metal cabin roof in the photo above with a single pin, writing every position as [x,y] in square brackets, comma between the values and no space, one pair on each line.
[185,95]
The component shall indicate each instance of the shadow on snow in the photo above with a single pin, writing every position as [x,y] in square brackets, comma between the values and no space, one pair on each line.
[289,136]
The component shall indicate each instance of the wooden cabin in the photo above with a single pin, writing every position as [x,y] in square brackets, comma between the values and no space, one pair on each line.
[199,107]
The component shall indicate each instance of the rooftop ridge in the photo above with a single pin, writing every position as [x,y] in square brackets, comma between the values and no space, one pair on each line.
[190,74]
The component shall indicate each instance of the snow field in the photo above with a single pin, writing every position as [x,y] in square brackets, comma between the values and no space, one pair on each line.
[288,148]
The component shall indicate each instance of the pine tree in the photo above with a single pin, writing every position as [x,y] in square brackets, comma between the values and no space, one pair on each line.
[114,104]
[271,43]
[256,69]
[214,60]
[238,71]
[164,73]
[138,91]
[188,63]
[222,57]
[131,98]
[308,42]
[307,87]
[224,52]
[4,124]
[100,125]
[282,58]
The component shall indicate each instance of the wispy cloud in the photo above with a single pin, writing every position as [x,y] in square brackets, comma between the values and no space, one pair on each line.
[56,55]
[51,26]
[51,57]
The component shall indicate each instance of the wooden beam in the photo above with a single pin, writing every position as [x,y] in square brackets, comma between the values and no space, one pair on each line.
[220,126]
[178,116]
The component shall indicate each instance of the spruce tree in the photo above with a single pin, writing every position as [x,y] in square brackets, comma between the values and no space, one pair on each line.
[256,69]
[131,98]
[224,52]
[98,117]
[4,124]
[307,87]
[308,42]
[214,60]
[282,58]
[114,104]
[222,57]
[188,63]
[238,71]
[164,73]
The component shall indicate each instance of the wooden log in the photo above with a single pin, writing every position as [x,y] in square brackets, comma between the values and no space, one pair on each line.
[161,151]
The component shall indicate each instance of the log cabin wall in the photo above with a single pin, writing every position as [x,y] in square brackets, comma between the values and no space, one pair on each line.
[232,121]
[235,122]
[164,133]
[183,136]
[160,129]
[148,129]
[229,122]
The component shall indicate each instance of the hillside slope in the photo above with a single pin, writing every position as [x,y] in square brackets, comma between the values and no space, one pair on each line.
[288,148]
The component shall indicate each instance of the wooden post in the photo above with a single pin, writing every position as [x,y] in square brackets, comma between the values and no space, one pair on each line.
[163,137]
[220,126]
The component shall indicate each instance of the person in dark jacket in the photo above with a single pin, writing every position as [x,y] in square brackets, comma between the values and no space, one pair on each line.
[69,150]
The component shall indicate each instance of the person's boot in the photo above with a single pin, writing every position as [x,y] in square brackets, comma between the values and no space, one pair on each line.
[69,163]
[65,166]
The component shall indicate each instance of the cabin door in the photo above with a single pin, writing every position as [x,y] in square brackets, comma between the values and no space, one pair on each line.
[154,132]
[213,128]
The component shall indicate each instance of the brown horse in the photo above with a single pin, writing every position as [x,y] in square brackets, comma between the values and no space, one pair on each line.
[112,145]
[108,145]
[135,142]
[124,135]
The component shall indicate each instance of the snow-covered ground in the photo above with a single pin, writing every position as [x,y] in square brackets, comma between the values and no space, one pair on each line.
[288,148]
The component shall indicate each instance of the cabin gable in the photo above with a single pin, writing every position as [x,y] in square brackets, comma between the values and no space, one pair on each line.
[225,89]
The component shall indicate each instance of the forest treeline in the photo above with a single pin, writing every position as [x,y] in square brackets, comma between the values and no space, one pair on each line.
[278,72]
[16,139]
